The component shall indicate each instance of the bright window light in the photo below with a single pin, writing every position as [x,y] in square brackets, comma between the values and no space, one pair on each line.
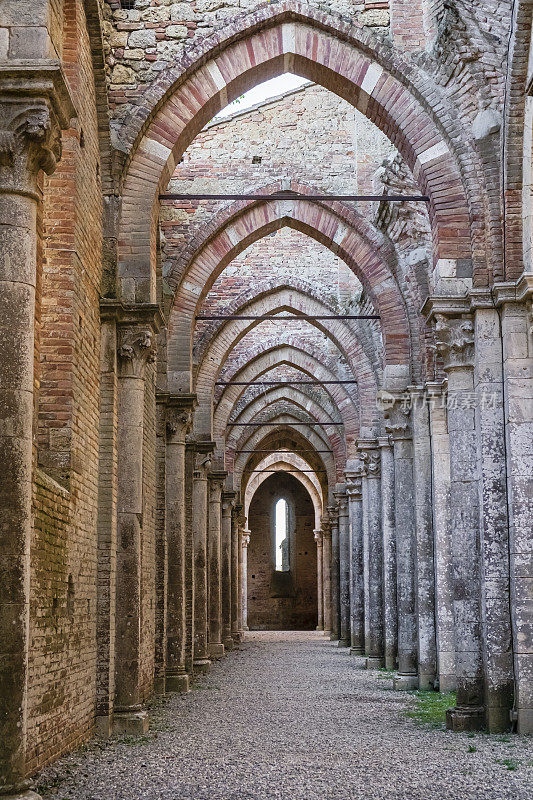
[264,91]
[282,540]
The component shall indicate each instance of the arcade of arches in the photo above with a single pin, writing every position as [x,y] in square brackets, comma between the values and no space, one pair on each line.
[289,411]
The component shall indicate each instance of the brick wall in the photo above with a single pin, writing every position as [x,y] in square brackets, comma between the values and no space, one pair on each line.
[295,607]
[62,669]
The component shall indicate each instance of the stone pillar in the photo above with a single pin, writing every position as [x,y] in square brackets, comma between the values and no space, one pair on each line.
[326,575]
[440,470]
[455,344]
[228,502]
[236,523]
[244,573]
[201,661]
[497,639]
[397,425]
[424,553]
[517,327]
[344,569]
[179,421]
[33,109]
[240,573]
[136,349]
[319,580]
[374,633]
[357,595]
[390,605]
[214,583]
[335,576]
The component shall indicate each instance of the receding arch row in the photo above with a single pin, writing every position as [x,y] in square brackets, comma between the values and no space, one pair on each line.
[358,248]
[353,67]
[267,405]
[338,332]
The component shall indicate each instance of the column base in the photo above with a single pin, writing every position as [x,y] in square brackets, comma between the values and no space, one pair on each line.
[357,651]
[403,683]
[236,638]
[159,685]
[524,721]
[216,650]
[426,681]
[327,633]
[319,628]
[103,725]
[178,682]
[343,643]
[375,662]
[246,628]
[229,644]
[131,723]
[333,637]
[465,718]
[201,666]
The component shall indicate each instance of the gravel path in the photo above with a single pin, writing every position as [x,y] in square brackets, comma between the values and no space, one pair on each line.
[291,716]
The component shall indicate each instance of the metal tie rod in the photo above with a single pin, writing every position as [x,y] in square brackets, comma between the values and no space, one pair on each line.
[316,198]
[301,318]
[284,470]
[283,452]
[283,383]
[278,424]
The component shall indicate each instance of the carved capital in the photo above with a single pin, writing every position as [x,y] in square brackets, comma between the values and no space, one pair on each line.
[202,465]
[228,502]
[371,463]
[455,340]
[318,534]
[136,349]
[354,484]
[246,538]
[178,424]
[333,516]
[342,503]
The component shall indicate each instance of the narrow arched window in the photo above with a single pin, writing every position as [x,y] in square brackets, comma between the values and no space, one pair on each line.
[282,536]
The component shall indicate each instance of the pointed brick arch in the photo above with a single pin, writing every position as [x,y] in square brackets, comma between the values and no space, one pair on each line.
[358,245]
[346,60]
[284,462]
[343,337]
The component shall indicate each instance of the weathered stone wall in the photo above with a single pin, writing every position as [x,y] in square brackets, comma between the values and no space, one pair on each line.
[295,608]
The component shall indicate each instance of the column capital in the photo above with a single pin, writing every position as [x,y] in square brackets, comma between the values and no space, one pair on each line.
[137,325]
[370,455]
[179,410]
[354,484]
[342,502]
[35,105]
[228,502]
[318,534]
[454,329]
[217,477]
[333,516]
[246,538]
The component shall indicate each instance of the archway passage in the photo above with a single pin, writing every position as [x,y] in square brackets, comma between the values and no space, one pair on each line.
[282,559]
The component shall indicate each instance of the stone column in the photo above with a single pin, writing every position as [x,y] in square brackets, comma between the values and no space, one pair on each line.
[326,575]
[390,605]
[335,577]
[455,344]
[440,455]
[244,572]
[371,471]
[424,554]
[236,524]
[201,661]
[497,636]
[136,349]
[228,502]
[397,425]
[357,594]
[33,109]
[214,535]
[240,573]
[516,302]
[179,421]
[319,581]
[344,569]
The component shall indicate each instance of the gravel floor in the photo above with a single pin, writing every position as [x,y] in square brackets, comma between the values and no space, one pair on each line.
[291,716]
